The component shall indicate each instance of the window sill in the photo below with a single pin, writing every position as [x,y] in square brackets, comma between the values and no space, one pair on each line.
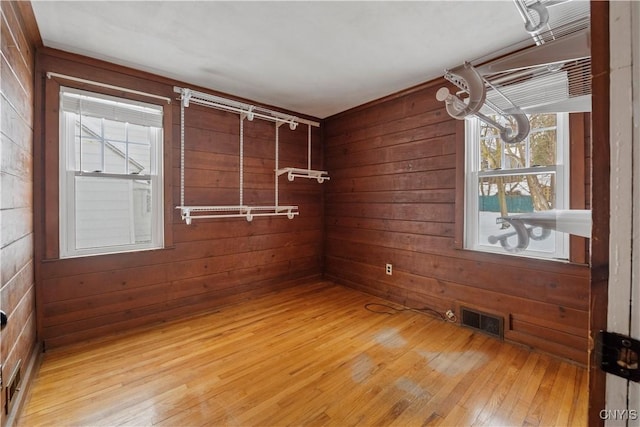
[142,252]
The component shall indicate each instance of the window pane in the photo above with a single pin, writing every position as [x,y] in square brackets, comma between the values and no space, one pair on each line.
[91,156]
[543,148]
[114,131]
[142,211]
[112,212]
[490,153]
[139,158]
[91,143]
[514,194]
[542,139]
[525,193]
[115,157]
[539,121]
[515,155]
[140,138]
[137,133]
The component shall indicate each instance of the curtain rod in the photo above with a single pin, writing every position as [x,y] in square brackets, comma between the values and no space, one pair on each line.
[107,86]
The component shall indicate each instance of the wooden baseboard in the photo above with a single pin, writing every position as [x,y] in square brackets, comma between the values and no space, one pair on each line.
[30,372]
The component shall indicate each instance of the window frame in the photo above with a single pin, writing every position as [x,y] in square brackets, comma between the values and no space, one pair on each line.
[69,181]
[47,197]
[472,174]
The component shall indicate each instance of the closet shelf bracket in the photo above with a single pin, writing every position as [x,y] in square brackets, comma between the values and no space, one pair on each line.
[538,226]
[245,111]
[188,213]
[552,76]
[293,173]
[469,81]
[191,96]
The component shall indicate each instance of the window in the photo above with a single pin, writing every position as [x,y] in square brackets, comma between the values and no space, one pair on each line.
[110,174]
[505,179]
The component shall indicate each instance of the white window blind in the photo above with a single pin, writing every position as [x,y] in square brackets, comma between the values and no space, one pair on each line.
[111,108]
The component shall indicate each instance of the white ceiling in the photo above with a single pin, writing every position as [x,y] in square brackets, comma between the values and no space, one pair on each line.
[312,57]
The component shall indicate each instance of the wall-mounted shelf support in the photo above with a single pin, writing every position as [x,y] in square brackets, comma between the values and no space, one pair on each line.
[189,96]
[538,226]
[467,78]
[552,76]
[293,173]
[246,112]
[189,213]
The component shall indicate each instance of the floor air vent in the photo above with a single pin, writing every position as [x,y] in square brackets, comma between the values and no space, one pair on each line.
[483,322]
[13,386]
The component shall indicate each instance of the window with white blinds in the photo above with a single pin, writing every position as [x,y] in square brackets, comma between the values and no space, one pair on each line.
[110,174]
[504,179]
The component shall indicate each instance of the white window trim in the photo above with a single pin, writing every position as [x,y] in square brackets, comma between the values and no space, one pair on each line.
[472,174]
[67,220]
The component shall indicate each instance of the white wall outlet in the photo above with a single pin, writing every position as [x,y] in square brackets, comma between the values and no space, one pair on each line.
[389,269]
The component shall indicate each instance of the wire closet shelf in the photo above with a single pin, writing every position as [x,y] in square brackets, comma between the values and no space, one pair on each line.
[551,72]
[246,112]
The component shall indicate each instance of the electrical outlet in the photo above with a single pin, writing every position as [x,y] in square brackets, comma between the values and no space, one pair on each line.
[389,269]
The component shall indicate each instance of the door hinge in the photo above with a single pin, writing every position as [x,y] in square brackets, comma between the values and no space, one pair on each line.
[618,355]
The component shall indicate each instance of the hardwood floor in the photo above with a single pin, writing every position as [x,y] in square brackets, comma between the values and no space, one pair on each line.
[310,355]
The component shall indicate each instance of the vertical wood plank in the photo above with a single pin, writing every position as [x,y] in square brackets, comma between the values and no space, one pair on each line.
[50,167]
[600,199]
[577,122]
[460,184]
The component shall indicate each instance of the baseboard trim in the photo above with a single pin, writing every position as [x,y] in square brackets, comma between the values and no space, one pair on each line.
[30,371]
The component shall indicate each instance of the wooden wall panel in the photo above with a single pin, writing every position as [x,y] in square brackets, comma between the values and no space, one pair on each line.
[209,263]
[17,289]
[395,197]
[600,198]
[580,149]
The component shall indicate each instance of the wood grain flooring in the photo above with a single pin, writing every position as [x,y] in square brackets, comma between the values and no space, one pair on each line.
[309,355]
